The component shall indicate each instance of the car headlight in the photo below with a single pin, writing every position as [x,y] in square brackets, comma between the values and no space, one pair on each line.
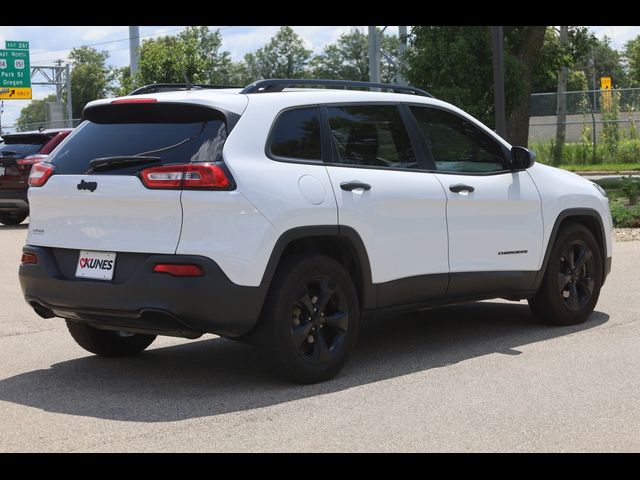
[600,189]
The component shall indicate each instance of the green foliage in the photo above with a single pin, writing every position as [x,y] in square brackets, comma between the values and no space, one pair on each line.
[624,215]
[33,116]
[610,134]
[194,52]
[348,58]
[455,64]
[124,82]
[626,150]
[608,63]
[632,56]
[90,77]
[553,56]
[284,56]
[630,189]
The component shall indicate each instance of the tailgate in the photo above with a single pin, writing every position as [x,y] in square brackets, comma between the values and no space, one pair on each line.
[119,215]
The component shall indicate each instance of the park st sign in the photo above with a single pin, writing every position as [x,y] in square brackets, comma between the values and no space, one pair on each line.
[15,71]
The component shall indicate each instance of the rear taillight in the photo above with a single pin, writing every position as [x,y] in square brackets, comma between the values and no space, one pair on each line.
[31,159]
[187,176]
[179,270]
[29,259]
[40,173]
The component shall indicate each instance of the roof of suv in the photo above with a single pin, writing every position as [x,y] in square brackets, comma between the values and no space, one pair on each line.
[49,132]
[233,100]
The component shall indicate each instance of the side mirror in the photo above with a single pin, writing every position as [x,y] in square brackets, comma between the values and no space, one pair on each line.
[521,158]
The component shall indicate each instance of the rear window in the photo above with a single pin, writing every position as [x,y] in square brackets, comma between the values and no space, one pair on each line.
[174,133]
[22,145]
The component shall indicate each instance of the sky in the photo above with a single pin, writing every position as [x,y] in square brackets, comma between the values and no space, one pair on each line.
[48,44]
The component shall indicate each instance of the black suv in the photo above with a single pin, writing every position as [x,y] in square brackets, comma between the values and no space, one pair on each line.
[17,154]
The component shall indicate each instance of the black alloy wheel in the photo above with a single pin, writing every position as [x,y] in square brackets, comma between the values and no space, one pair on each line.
[575,277]
[319,320]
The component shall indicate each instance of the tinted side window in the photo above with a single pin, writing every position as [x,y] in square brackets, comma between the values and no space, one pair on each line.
[456,144]
[297,134]
[371,135]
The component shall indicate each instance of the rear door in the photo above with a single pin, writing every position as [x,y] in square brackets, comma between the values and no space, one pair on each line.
[385,194]
[111,210]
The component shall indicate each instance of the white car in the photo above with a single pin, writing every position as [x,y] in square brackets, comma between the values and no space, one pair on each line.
[284,215]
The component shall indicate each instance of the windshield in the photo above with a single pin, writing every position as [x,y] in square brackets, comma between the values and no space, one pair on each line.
[172,142]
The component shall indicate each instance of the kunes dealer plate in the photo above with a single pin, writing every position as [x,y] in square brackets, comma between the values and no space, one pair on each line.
[97,265]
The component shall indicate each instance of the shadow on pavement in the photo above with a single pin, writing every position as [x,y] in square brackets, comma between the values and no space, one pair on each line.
[216,376]
[22,226]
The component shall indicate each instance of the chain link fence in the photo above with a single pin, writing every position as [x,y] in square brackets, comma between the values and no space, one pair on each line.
[601,126]
[39,126]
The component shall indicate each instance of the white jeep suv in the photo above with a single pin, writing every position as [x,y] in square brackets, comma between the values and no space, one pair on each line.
[284,215]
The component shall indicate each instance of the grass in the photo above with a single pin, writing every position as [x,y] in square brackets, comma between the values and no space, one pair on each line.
[622,155]
[624,200]
[604,167]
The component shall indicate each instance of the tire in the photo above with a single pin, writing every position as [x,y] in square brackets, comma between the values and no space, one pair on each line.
[571,285]
[310,320]
[13,218]
[108,343]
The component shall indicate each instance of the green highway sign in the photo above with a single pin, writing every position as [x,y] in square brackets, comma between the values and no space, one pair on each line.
[16,45]
[15,71]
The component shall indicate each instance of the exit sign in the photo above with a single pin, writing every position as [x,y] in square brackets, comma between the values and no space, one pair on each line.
[15,45]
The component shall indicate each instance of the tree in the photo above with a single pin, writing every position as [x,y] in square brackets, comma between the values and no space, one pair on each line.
[33,116]
[455,64]
[90,77]
[607,62]
[348,58]
[632,55]
[123,81]
[283,57]
[194,52]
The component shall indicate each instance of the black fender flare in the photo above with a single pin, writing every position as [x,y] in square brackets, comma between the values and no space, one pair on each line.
[342,232]
[564,214]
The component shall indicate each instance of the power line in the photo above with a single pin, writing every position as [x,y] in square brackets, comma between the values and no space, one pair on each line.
[162,32]
[105,42]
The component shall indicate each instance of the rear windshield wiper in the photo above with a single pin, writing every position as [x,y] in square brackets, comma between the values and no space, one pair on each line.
[6,153]
[113,163]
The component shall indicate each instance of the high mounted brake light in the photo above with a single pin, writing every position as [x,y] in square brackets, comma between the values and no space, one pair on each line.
[186,176]
[134,100]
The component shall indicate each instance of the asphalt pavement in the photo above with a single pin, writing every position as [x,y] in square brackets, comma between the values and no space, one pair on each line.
[480,376]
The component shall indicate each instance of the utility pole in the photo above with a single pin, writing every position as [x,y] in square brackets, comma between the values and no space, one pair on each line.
[67,71]
[498,80]
[374,55]
[134,46]
[1,112]
[402,33]
[561,104]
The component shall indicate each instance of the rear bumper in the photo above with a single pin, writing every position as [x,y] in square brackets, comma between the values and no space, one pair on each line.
[138,298]
[13,199]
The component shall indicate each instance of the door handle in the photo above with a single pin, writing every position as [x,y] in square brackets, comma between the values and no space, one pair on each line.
[461,187]
[354,185]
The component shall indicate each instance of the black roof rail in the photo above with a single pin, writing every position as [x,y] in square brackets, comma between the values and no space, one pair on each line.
[169,87]
[279,84]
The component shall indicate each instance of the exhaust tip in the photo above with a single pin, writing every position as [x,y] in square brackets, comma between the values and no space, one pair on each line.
[41,310]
